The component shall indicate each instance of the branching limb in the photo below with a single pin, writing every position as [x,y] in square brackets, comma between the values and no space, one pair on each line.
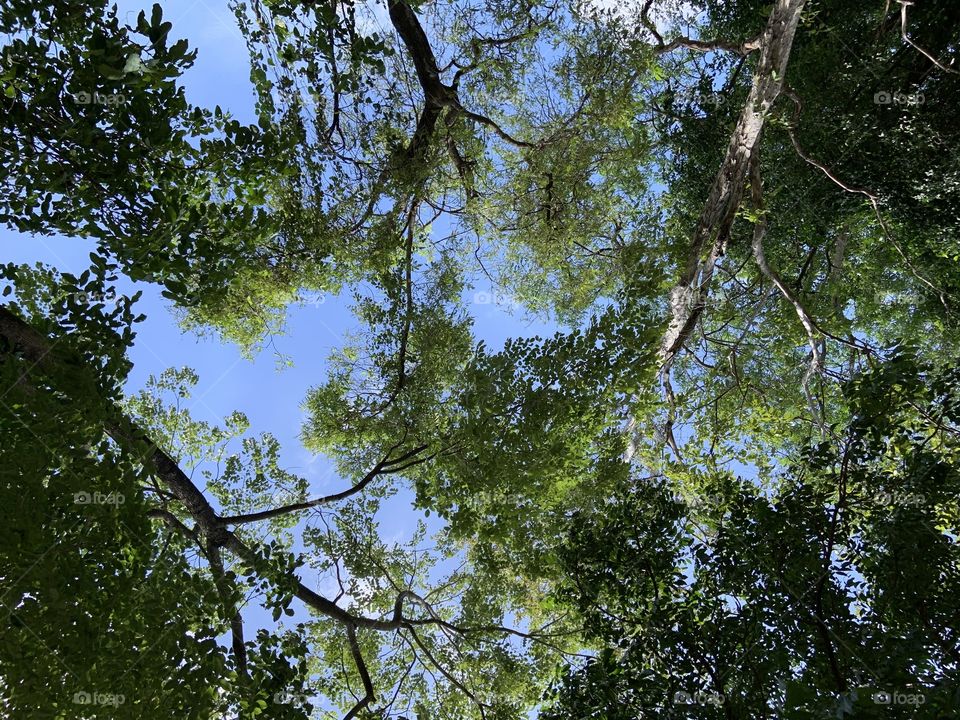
[210,530]
[689,297]
[437,95]
[174,522]
[493,125]
[481,706]
[743,49]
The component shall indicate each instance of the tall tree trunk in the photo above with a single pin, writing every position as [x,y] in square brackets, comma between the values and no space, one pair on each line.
[688,297]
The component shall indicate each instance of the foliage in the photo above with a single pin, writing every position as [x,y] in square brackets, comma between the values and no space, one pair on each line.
[812,600]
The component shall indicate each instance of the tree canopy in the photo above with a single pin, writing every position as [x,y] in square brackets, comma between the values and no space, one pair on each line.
[726,485]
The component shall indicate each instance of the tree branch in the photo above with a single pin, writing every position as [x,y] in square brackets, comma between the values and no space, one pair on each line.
[210,529]
[236,619]
[662,48]
[759,230]
[688,298]
[481,706]
[383,467]
[503,134]
[174,522]
[368,694]
[874,203]
[904,4]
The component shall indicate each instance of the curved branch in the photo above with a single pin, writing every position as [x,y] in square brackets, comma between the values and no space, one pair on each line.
[437,95]
[385,466]
[662,48]
[904,4]
[174,522]
[759,230]
[874,203]
[492,124]
[481,706]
